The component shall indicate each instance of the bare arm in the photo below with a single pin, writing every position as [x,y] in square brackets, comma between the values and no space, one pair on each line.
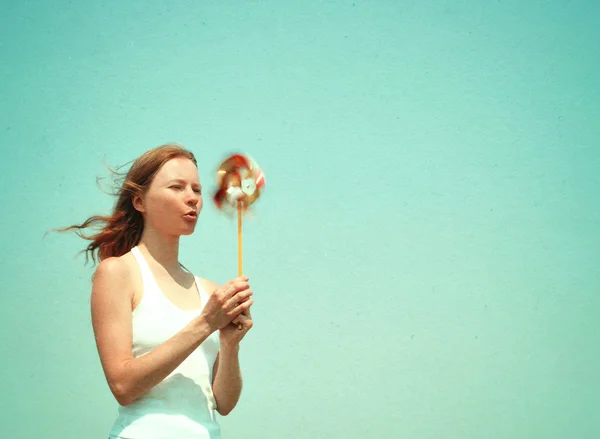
[129,377]
[227,375]
[227,382]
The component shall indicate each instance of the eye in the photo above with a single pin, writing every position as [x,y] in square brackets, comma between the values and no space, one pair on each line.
[175,186]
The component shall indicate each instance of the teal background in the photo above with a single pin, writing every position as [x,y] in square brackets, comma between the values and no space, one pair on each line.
[425,258]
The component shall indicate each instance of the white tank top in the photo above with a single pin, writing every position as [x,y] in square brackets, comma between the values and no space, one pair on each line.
[182,406]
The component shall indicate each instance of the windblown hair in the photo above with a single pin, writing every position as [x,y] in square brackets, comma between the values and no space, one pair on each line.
[121,231]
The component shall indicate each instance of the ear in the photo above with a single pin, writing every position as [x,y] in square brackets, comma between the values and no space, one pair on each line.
[138,202]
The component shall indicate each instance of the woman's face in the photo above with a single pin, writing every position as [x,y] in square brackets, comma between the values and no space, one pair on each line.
[174,199]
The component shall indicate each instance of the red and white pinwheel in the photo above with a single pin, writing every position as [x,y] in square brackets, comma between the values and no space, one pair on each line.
[240,182]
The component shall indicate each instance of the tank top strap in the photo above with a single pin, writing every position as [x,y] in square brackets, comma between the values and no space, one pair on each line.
[203,294]
[147,276]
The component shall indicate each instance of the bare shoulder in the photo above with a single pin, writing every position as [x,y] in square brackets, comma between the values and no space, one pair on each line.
[113,274]
[113,270]
[111,267]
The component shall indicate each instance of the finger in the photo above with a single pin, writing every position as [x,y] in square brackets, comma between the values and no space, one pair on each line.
[232,288]
[240,313]
[243,323]
[237,287]
[239,317]
[238,281]
[240,297]
[242,285]
[239,320]
[238,323]
[246,322]
[242,307]
[246,313]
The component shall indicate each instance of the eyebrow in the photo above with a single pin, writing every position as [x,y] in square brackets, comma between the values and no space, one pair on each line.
[181,180]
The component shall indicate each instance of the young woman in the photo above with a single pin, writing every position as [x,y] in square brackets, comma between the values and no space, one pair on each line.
[168,341]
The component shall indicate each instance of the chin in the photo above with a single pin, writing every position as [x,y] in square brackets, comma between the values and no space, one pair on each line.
[188,230]
[180,231]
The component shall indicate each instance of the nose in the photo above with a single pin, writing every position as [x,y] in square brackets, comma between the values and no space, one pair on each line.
[192,198]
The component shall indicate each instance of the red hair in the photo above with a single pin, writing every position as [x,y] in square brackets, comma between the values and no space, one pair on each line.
[122,230]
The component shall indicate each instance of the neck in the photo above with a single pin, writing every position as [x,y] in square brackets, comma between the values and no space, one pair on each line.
[163,249]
